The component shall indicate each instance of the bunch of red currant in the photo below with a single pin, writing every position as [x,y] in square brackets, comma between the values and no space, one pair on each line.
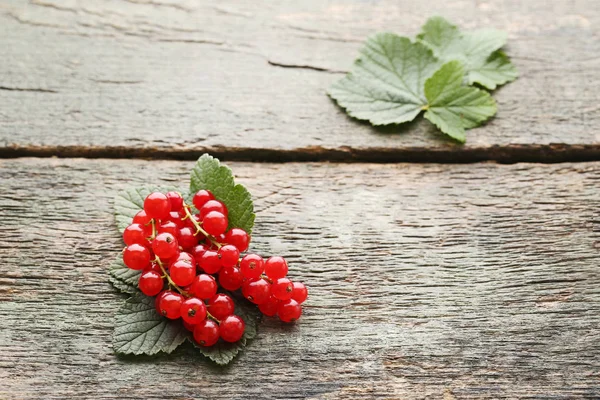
[180,253]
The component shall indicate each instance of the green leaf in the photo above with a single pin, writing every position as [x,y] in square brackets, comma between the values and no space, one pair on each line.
[209,174]
[223,353]
[123,278]
[477,50]
[385,85]
[129,202]
[140,330]
[453,107]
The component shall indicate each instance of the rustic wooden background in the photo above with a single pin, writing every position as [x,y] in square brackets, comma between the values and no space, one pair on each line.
[451,280]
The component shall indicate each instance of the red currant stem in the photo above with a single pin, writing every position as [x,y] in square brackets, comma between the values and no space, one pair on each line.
[153,228]
[199,228]
[266,278]
[180,290]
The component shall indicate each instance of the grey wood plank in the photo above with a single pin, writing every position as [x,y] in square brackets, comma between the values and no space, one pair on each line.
[426,281]
[247,79]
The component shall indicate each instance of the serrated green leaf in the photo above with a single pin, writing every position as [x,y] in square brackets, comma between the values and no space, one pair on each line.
[452,107]
[140,330]
[123,275]
[476,50]
[129,202]
[121,286]
[210,174]
[385,85]
[223,353]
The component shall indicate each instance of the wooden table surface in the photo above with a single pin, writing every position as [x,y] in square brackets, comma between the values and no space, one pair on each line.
[434,271]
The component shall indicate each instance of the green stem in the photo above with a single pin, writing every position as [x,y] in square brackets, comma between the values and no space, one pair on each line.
[199,228]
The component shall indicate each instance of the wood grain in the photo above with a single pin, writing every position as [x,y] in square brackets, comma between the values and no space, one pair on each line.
[248,80]
[426,281]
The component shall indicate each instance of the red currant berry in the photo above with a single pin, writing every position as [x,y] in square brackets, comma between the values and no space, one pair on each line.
[215,223]
[232,328]
[193,310]
[269,307]
[289,311]
[151,283]
[201,197]
[212,205]
[176,219]
[187,240]
[184,256]
[282,289]
[252,266]
[182,273]
[203,287]
[257,291]
[136,256]
[231,278]
[198,251]
[206,333]
[300,292]
[152,267]
[276,267]
[209,262]
[169,227]
[158,298]
[176,201]
[220,306]
[229,255]
[157,206]
[239,238]
[189,326]
[165,246]
[141,218]
[170,304]
[136,233]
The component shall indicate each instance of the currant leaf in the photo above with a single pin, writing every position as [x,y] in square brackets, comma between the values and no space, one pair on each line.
[478,51]
[223,353]
[123,278]
[385,84]
[210,174]
[139,329]
[129,202]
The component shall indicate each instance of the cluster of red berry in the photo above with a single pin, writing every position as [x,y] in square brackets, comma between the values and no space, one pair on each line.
[184,252]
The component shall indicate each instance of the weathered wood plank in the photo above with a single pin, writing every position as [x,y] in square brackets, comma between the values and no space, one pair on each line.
[139,77]
[469,281]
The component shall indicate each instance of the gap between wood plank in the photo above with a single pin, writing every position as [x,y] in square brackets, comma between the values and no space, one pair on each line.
[550,153]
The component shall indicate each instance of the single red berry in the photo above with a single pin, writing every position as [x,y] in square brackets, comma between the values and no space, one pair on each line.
[136,234]
[232,328]
[201,198]
[165,246]
[215,223]
[282,289]
[158,298]
[170,305]
[198,250]
[230,278]
[203,287]
[176,219]
[168,261]
[252,266]
[276,267]
[182,273]
[151,283]
[269,307]
[152,267]
[212,205]
[289,310]
[300,292]
[187,257]
[193,310]
[157,206]
[188,326]
[176,201]
[168,227]
[229,255]
[141,218]
[136,256]
[257,291]
[206,333]
[209,262]
[239,238]
[187,239]
[220,306]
